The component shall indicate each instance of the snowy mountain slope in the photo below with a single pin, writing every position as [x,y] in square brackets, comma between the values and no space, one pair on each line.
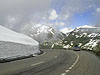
[86,26]
[87,29]
[11,36]
[86,37]
[66,30]
[13,45]
[42,33]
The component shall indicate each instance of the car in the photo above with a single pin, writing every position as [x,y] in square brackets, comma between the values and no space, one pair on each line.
[77,49]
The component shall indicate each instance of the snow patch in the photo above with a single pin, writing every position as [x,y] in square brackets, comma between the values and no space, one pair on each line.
[92,35]
[91,44]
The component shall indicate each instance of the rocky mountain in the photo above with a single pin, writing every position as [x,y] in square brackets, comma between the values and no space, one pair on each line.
[86,37]
[43,34]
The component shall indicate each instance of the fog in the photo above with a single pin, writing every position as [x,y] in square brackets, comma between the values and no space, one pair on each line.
[15,13]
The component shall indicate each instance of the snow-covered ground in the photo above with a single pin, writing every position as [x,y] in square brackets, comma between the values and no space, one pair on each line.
[13,44]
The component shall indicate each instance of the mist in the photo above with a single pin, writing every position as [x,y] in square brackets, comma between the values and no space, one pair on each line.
[15,13]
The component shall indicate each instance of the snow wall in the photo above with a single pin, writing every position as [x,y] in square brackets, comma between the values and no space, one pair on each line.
[13,44]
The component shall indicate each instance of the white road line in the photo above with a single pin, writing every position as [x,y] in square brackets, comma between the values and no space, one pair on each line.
[72,64]
[63,74]
[76,59]
[37,63]
[67,70]
[70,68]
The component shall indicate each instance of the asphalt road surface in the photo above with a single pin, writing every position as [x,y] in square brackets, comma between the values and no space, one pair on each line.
[54,62]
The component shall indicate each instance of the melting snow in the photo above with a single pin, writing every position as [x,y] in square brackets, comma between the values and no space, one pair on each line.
[91,44]
[92,35]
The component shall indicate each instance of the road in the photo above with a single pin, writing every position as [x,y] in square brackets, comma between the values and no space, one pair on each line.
[54,62]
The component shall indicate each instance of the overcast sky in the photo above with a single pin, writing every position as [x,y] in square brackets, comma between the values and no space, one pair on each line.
[15,14]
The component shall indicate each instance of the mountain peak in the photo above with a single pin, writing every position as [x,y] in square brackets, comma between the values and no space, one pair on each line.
[86,26]
[66,30]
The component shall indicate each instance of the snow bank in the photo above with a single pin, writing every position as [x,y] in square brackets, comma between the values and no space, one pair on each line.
[11,36]
[13,44]
[14,50]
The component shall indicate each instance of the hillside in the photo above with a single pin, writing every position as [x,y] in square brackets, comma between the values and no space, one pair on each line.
[86,37]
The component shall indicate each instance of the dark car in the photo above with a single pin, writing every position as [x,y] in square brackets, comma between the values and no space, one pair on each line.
[76,48]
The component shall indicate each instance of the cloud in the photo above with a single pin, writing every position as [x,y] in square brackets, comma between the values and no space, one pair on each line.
[53,15]
[64,17]
[71,7]
[23,6]
[59,23]
[77,6]
[22,11]
[97,14]
[98,10]
[15,14]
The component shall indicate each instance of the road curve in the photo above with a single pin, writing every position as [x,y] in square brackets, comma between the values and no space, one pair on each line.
[88,64]
[54,62]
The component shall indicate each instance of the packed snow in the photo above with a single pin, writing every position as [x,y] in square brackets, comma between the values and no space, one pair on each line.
[11,36]
[13,44]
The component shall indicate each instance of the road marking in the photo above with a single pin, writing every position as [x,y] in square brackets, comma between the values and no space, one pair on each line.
[76,59]
[72,64]
[70,68]
[63,74]
[37,63]
[67,70]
